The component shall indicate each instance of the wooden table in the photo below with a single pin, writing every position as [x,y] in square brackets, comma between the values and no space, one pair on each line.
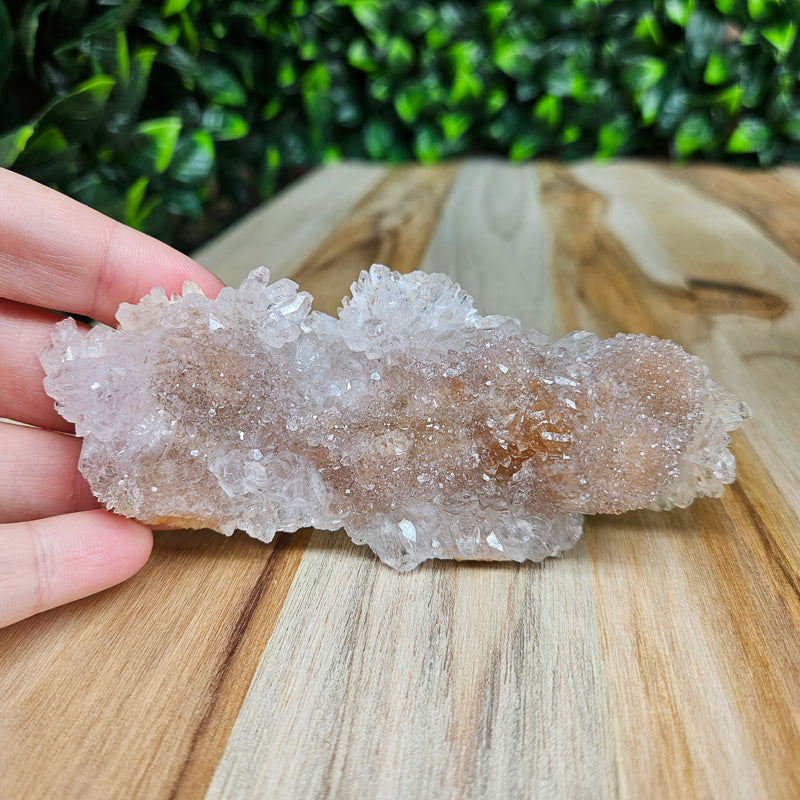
[659,658]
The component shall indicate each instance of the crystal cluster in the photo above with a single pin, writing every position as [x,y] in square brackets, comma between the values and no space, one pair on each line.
[422,428]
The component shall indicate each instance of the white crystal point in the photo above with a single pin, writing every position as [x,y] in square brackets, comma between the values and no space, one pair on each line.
[421,427]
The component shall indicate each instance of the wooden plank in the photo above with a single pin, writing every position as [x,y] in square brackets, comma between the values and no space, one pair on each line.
[699,609]
[454,680]
[279,234]
[494,240]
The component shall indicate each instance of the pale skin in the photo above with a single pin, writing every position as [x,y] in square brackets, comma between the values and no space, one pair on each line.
[56,544]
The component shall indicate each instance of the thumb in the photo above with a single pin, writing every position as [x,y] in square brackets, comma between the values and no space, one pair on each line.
[48,562]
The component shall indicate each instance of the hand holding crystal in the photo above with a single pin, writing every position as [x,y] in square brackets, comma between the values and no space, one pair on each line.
[56,543]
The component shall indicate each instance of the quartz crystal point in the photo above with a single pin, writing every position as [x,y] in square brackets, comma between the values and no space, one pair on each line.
[422,428]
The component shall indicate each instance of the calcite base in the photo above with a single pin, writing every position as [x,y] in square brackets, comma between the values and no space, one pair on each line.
[420,427]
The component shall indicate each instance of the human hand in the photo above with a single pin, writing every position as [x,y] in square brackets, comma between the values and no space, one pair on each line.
[56,544]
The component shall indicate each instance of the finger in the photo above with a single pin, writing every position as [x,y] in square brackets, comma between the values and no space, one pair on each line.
[58,253]
[53,561]
[39,474]
[24,330]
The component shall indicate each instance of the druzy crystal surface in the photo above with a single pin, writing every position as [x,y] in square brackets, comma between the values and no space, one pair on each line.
[420,427]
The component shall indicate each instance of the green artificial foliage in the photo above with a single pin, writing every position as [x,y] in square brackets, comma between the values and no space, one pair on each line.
[176,116]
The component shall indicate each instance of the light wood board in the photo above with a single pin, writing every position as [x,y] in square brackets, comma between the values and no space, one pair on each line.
[658,658]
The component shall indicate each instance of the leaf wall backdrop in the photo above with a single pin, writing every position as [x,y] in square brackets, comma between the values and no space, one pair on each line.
[178,116]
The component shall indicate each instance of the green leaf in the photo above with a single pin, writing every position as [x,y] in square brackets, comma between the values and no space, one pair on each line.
[130,94]
[410,102]
[47,142]
[107,24]
[378,138]
[331,154]
[6,44]
[781,37]
[428,145]
[194,159]
[694,133]
[269,171]
[649,104]
[730,98]
[92,189]
[678,11]
[644,72]
[465,58]
[163,134]
[512,56]
[223,124]
[220,85]
[358,54]
[761,9]
[703,32]
[455,125]
[718,70]
[27,31]
[84,103]
[751,136]
[190,35]
[497,12]
[612,137]
[315,88]
[380,89]
[400,55]
[12,144]
[309,50]
[271,108]
[133,201]
[792,126]
[466,84]
[369,13]
[161,31]
[548,109]
[437,36]
[184,202]
[677,103]
[123,58]
[647,29]
[495,100]
[417,19]
[524,147]
[171,7]
[286,76]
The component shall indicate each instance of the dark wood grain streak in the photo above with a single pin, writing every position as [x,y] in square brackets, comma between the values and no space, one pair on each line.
[726,297]
[757,588]
[256,621]
[761,196]
[131,671]
[778,525]
[600,276]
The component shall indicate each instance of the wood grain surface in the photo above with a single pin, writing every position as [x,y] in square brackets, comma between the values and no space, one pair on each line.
[659,658]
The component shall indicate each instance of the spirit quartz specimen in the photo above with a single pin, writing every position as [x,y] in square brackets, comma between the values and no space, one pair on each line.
[422,428]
